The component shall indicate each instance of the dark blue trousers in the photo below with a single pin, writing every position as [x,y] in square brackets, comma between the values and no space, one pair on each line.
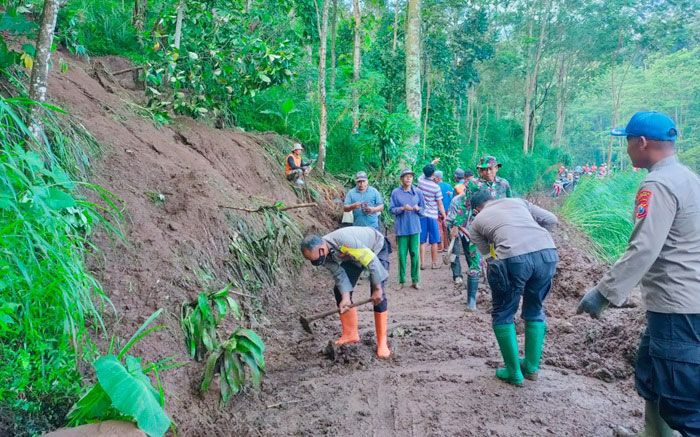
[668,369]
[530,276]
[353,270]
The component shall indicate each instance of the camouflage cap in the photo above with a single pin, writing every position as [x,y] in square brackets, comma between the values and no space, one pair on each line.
[488,161]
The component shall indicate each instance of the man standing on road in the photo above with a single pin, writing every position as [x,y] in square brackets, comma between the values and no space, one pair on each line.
[430,232]
[406,205]
[447,194]
[664,254]
[365,202]
[346,252]
[516,231]
[488,168]
[294,167]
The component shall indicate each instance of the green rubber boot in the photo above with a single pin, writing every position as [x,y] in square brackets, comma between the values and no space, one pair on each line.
[654,424]
[534,342]
[508,343]
[472,288]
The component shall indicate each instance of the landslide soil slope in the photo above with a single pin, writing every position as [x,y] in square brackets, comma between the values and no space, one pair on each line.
[440,379]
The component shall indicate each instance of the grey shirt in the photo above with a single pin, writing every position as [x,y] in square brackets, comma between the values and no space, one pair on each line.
[514,226]
[664,248]
[358,244]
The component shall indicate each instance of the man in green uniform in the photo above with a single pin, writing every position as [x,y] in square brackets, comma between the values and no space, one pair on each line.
[663,255]
[459,218]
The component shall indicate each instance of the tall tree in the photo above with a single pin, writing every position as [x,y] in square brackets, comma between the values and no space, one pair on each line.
[334,34]
[322,23]
[413,65]
[356,62]
[38,82]
[533,62]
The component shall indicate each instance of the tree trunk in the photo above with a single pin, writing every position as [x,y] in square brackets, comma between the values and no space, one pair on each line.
[356,61]
[531,81]
[413,67]
[396,27]
[428,86]
[38,82]
[616,94]
[139,20]
[471,96]
[479,114]
[334,33]
[178,23]
[323,125]
[561,101]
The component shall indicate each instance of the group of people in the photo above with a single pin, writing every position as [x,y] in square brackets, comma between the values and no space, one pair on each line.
[567,178]
[512,235]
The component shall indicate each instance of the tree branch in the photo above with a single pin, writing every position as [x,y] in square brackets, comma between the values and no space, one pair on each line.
[264,207]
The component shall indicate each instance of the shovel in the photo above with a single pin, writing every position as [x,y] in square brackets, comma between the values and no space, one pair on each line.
[448,256]
[306,321]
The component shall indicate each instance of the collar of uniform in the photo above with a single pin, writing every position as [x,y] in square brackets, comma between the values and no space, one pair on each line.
[673,159]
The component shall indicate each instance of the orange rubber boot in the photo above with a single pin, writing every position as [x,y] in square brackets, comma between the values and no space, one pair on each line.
[348,322]
[380,325]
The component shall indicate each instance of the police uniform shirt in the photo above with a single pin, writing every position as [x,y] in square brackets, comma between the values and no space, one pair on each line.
[664,248]
[359,244]
[514,226]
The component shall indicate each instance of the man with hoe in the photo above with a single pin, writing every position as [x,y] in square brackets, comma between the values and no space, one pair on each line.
[522,258]
[346,252]
[663,255]
[365,202]
[294,167]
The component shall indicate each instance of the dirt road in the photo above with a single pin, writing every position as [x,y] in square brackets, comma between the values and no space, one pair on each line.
[440,380]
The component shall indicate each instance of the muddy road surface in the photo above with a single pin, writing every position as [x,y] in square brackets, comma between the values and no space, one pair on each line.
[440,379]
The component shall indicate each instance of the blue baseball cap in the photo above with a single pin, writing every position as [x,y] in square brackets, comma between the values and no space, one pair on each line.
[652,125]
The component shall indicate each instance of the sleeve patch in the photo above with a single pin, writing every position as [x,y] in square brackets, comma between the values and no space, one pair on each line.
[641,208]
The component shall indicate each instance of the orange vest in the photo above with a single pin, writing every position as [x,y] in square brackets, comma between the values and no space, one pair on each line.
[297,162]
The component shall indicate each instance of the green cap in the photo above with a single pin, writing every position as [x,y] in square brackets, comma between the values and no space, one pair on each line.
[488,161]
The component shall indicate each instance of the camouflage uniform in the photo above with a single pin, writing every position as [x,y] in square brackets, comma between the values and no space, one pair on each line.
[461,212]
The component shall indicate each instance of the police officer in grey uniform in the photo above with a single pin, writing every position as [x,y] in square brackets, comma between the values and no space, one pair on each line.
[664,254]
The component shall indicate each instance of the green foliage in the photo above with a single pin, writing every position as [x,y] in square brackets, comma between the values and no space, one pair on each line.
[47,295]
[244,348]
[603,209]
[124,391]
[647,87]
[226,53]
[98,28]
[200,321]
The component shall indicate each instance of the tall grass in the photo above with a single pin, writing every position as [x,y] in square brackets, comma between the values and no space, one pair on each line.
[47,295]
[603,209]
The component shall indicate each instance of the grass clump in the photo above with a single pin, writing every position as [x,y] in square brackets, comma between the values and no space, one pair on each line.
[47,295]
[603,209]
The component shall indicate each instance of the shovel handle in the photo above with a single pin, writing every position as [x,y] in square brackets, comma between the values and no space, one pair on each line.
[328,313]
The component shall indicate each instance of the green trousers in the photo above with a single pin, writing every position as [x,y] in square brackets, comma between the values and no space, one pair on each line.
[409,244]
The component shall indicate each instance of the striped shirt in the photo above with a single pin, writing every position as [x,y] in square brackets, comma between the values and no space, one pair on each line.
[432,194]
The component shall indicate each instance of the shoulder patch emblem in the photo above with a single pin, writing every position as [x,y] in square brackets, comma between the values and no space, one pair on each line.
[641,208]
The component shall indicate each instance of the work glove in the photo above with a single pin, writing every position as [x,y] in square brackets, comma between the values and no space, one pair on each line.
[592,303]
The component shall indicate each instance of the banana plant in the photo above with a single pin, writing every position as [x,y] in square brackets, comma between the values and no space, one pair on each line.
[124,391]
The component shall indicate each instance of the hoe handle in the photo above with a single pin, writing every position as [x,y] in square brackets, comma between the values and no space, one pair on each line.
[335,311]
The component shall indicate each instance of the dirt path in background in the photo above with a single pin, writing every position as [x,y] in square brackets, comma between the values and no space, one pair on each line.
[441,380]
